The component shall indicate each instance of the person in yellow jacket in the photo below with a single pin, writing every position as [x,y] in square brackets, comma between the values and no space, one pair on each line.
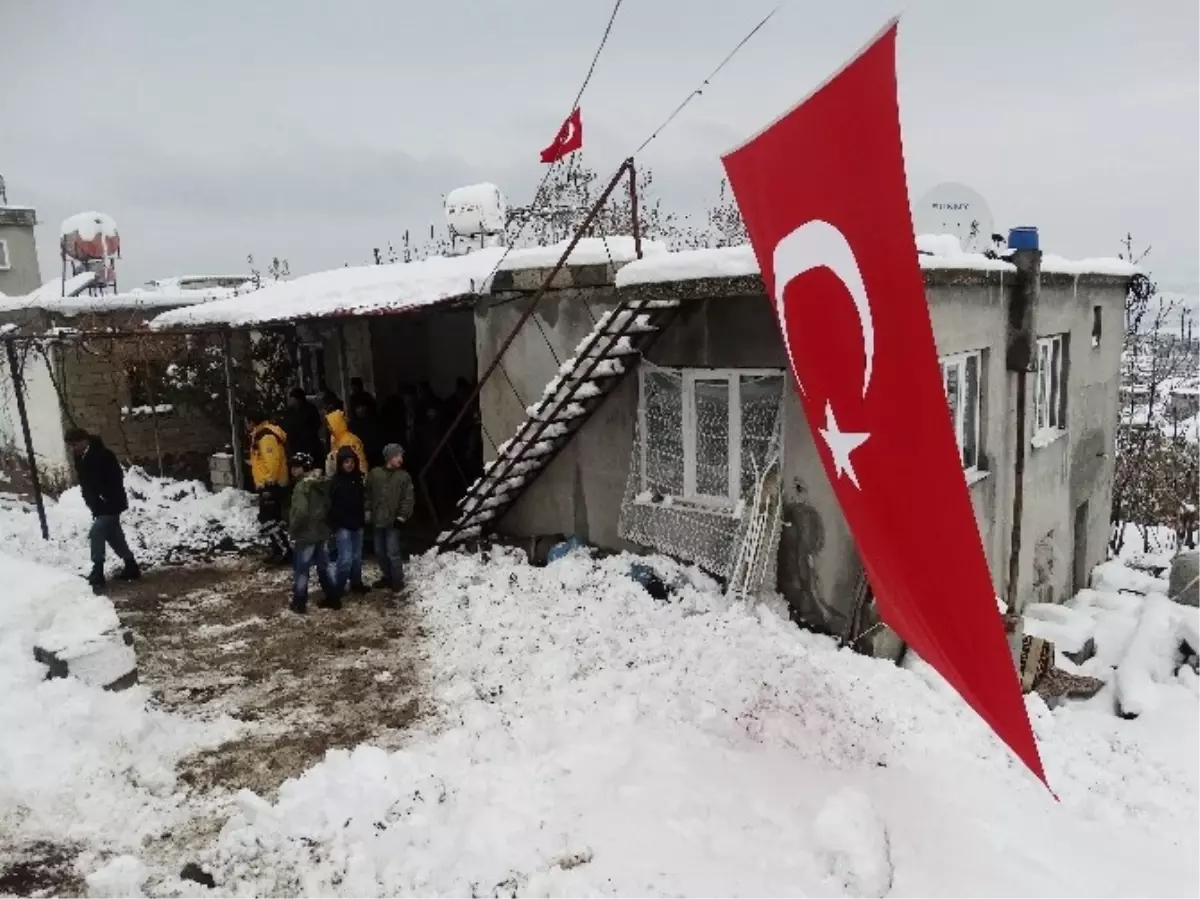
[340,436]
[269,470]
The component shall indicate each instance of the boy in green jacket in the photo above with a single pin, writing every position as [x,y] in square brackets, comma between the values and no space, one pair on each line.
[308,525]
[389,504]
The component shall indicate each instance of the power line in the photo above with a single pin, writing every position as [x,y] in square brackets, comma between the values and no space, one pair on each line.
[711,75]
[537,194]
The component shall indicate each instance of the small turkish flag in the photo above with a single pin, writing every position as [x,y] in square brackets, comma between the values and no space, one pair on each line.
[823,195]
[568,140]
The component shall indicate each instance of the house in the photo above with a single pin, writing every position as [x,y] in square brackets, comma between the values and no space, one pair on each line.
[690,419]
[393,325]
[84,363]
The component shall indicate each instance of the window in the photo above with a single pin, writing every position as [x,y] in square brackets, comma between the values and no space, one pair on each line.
[1096,320]
[4,263]
[961,377]
[706,432]
[1049,395]
[312,368]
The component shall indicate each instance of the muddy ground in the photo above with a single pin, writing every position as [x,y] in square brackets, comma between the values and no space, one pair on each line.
[216,639]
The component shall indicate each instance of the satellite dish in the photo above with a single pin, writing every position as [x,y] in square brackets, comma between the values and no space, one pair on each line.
[956,209]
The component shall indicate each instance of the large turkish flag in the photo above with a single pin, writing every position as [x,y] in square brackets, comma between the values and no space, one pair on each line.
[823,195]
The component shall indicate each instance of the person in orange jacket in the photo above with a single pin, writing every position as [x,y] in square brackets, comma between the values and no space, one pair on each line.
[340,436]
[269,469]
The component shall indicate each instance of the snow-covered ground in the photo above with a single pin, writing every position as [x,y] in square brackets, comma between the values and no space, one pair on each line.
[167,521]
[79,765]
[594,741]
[582,738]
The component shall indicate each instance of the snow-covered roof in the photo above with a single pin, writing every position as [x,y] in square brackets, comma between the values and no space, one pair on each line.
[397,287]
[352,290]
[618,249]
[934,251]
[50,297]
[51,294]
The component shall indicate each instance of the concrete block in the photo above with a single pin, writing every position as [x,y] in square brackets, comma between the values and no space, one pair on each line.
[1184,586]
[108,661]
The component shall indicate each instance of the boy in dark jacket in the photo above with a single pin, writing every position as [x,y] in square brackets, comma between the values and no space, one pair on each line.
[102,483]
[389,504]
[346,516]
[308,522]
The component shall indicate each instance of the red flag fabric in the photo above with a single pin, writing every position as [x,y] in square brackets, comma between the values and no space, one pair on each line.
[823,195]
[568,140]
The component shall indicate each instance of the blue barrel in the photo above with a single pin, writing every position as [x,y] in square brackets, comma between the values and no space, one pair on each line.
[1023,238]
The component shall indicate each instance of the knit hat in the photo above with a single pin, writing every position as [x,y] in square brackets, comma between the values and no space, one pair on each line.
[391,451]
[301,460]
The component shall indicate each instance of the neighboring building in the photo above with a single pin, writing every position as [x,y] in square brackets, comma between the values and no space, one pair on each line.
[18,253]
[670,458]
[105,384]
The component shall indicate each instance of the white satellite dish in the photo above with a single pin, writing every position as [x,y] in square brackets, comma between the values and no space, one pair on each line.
[956,209]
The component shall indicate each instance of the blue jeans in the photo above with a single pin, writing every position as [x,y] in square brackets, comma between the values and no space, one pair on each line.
[304,555]
[107,529]
[390,555]
[349,557]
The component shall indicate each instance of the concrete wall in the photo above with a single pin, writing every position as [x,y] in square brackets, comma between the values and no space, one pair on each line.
[16,229]
[729,324]
[1077,467]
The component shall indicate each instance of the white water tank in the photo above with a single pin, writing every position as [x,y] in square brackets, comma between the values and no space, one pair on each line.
[476,211]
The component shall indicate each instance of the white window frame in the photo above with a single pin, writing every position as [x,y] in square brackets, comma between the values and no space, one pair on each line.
[732,376]
[958,362]
[5,261]
[1050,414]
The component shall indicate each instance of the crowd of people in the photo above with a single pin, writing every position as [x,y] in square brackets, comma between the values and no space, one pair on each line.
[329,482]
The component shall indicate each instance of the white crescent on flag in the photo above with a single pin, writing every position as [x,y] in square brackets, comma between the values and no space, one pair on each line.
[818,244]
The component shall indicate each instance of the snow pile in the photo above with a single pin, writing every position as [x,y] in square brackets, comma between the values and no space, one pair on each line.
[595,741]
[121,877]
[78,763]
[353,290]
[168,521]
[1150,659]
[934,251]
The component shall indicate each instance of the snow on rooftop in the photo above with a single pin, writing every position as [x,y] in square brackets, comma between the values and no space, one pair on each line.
[50,298]
[617,249]
[352,290]
[934,251]
[51,294]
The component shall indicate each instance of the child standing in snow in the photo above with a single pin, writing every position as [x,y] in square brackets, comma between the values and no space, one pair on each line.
[347,516]
[390,502]
[308,522]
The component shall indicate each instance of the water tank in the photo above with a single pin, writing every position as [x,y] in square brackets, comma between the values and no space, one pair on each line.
[90,236]
[476,210]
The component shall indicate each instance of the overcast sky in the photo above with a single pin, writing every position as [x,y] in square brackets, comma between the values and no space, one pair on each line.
[316,131]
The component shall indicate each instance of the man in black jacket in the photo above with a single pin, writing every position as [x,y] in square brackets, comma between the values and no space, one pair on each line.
[102,483]
[302,425]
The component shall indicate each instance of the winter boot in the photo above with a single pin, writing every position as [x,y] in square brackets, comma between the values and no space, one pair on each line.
[131,571]
[382,584]
[360,588]
[300,608]
[96,577]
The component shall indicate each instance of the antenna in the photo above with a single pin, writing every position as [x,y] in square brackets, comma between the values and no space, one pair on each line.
[952,208]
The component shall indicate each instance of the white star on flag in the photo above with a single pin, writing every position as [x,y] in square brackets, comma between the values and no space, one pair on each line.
[841,444]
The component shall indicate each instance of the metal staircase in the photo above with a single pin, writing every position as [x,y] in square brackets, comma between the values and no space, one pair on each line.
[610,351]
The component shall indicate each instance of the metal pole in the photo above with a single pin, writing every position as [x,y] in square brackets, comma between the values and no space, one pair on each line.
[633,209]
[35,481]
[239,474]
[343,366]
